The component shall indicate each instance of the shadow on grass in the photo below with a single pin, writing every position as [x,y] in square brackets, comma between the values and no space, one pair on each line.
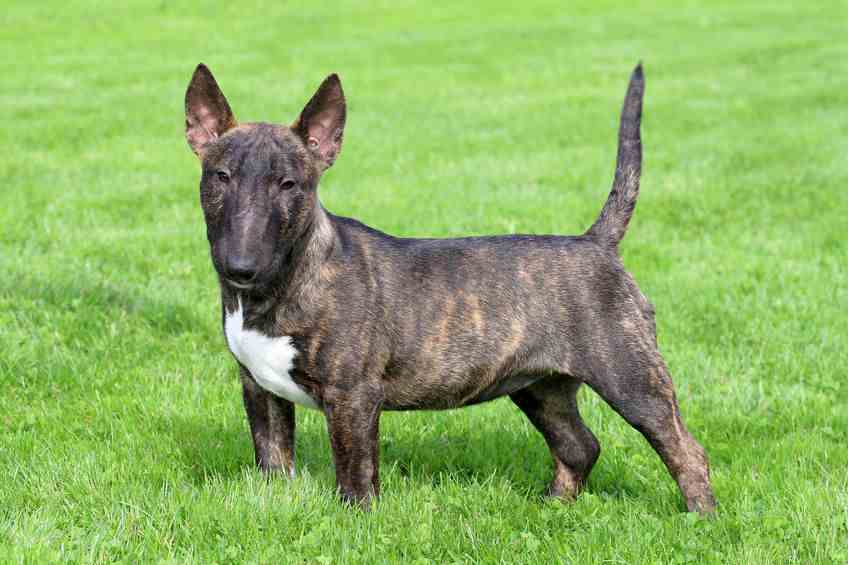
[209,449]
[493,456]
[214,451]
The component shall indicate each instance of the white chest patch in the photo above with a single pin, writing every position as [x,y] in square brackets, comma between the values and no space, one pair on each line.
[269,359]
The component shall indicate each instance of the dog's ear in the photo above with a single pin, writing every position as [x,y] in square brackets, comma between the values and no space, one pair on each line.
[208,114]
[321,123]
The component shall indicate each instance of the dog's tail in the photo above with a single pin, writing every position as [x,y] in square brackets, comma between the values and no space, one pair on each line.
[610,226]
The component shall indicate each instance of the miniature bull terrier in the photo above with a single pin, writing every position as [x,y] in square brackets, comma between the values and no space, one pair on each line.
[326,312]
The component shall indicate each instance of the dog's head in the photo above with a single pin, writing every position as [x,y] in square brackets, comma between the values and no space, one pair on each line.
[259,182]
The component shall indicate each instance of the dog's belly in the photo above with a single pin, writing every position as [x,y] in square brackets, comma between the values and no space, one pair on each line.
[510,384]
[269,359]
[413,393]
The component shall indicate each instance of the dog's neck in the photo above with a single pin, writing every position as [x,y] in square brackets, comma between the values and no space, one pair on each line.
[293,293]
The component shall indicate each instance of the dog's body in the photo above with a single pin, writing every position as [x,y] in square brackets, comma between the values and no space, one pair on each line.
[326,312]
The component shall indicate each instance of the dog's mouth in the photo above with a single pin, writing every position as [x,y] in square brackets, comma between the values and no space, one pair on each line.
[240,285]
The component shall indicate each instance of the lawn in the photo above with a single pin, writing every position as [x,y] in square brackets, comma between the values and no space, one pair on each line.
[122,433]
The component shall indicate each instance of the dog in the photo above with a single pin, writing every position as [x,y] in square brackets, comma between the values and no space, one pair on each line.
[326,312]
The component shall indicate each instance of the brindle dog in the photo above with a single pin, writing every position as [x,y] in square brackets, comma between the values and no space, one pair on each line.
[326,312]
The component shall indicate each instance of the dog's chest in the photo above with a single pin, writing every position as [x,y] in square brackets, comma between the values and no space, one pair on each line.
[269,359]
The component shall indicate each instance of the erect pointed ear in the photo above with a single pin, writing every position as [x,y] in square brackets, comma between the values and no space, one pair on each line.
[208,114]
[321,124]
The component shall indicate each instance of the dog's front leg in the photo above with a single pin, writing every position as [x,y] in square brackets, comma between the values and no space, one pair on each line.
[353,415]
[271,420]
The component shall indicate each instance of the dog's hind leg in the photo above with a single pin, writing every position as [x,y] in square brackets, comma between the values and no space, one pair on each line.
[551,405]
[643,394]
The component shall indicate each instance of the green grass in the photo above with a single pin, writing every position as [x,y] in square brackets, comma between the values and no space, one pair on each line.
[122,435]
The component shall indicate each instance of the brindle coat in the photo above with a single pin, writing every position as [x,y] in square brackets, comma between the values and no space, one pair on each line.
[386,323]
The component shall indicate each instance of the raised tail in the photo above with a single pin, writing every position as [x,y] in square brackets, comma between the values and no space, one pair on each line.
[611,224]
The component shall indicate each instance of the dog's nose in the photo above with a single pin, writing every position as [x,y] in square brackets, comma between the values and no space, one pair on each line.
[241,269]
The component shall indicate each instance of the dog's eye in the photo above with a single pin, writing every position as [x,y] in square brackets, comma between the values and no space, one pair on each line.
[286,183]
[223,176]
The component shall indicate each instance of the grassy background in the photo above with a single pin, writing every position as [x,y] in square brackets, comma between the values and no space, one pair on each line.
[122,434]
